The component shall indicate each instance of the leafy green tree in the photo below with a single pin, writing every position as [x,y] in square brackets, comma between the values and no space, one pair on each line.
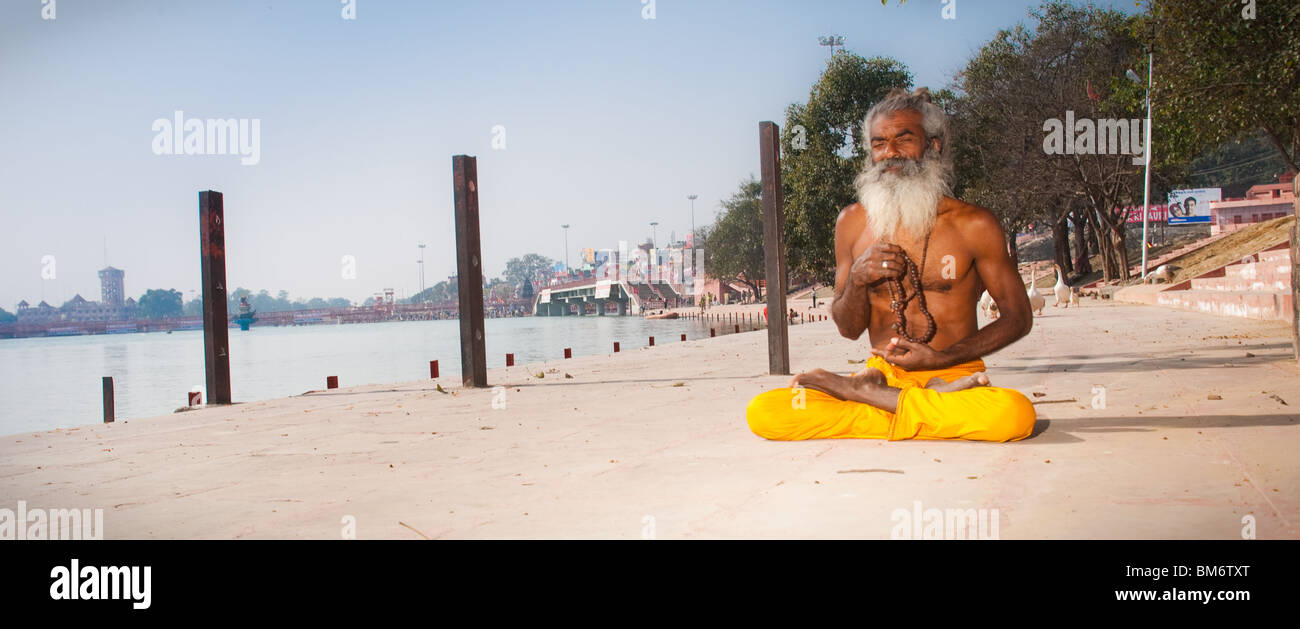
[733,244]
[157,303]
[7,317]
[822,149]
[1071,59]
[194,307]
[1223,71]
[527,269]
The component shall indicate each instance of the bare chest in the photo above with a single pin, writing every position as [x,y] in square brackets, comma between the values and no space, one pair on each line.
[945,264]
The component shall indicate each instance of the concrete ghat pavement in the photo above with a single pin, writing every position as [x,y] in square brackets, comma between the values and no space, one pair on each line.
[655,441]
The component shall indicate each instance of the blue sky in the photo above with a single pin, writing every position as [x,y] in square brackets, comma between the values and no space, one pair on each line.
[610,121]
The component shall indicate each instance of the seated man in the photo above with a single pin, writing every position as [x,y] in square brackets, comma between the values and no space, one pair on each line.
[911,263]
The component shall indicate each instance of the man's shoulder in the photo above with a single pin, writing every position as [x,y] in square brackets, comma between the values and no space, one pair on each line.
[851,221]
[968,215]
[851,213]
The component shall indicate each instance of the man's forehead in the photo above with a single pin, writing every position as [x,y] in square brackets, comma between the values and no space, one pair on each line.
[895,122]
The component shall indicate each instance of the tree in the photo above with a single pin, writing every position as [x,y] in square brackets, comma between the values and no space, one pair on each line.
[733,244]
[157,303]
[194,307]
[1224,71]
[7,317]
[528,269]
[823,149]
[1072,60]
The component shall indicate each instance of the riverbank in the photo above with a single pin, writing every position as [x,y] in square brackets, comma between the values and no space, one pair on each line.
[1197,431]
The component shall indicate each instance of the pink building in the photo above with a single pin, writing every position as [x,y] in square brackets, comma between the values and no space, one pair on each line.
[1261,203]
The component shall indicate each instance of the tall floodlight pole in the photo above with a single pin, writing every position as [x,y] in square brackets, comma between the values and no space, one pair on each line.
[692,197]
[1146,186]
[831,41]
[654,238]
[566,247]
[421,245]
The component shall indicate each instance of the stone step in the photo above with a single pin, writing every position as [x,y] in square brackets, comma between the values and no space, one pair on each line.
[1269,305]
[1238,284]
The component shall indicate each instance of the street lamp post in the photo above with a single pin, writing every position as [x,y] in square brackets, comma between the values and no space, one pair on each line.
[566,247]
[1146,186]
[421,245]
[831,41]
[692,197]
[654,240]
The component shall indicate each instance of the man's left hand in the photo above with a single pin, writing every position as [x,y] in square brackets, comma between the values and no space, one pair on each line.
[913,356]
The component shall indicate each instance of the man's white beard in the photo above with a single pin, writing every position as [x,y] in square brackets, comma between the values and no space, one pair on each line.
[905,203]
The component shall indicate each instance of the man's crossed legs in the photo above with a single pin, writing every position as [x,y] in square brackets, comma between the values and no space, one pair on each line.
[886,402]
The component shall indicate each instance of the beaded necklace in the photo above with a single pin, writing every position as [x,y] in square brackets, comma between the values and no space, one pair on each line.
[899,297]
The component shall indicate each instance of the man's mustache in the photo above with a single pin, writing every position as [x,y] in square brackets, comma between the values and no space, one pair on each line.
[907,167]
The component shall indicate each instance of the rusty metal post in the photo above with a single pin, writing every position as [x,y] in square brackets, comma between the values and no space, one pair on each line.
[433,369]
[1295,270]
[568,352]
[469,266]
[652,341]
[331,382]
[510,360]
[683,337]
[616,348]
[216,323]
[778,338]
[110,413]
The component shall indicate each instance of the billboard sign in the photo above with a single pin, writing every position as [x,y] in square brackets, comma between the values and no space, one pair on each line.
[1192,206]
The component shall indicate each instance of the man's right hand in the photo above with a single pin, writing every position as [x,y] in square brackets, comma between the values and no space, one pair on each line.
[880,261]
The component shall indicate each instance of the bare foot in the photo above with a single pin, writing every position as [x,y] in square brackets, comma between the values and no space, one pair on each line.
[979,379]
[867,387]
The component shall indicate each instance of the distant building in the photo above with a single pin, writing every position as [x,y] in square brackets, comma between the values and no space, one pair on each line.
[79,310]
[111,286]
[1261,203]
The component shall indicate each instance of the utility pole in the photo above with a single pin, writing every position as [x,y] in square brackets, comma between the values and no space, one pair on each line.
[1146,186]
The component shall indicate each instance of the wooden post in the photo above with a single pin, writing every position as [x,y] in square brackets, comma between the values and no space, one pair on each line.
[216,322]
[778,338]
[469,267]
[110,414]
[1295,270]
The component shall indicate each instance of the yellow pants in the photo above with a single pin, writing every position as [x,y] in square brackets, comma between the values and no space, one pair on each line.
[977,413]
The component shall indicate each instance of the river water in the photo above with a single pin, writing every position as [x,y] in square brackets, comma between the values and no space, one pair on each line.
[55,382]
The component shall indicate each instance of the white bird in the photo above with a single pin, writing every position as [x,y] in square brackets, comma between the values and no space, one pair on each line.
[1036,300]
[987,304]
[1061,289]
